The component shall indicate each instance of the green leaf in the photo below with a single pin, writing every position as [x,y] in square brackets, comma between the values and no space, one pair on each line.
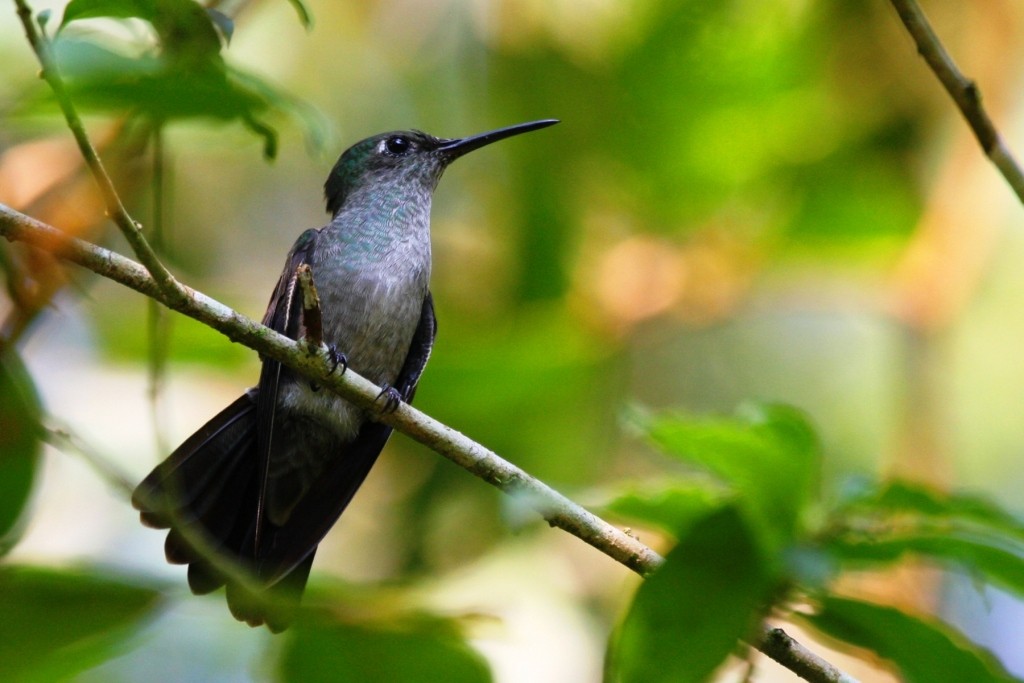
[102,79]
[924,651]
[768,454]
[908,497]
[322,648]
[20,413]
[673,507]
[114,9]
[185,29]
[687,616]
[54,623]
[986,557]
[883,525]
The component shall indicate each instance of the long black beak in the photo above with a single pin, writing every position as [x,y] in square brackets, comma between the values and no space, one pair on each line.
[453,149]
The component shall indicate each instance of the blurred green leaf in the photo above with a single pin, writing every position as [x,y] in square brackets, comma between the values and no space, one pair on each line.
[881,525]
[768,454]
[321,648]
[187,32]
[907,497]
[55,623]
[116,9]
[101,78]
[673,507]
[687,616]
[984,557]
[541,372]
[924,651]
[20,412]
[858,195]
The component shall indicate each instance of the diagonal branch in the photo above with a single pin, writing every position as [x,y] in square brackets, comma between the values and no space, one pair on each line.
[965,92]
[169,289]
[558,510]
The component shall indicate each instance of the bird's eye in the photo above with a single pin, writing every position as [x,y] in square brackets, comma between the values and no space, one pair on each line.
[397,145]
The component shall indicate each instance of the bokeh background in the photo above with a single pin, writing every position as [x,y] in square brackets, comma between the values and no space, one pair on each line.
[765,199]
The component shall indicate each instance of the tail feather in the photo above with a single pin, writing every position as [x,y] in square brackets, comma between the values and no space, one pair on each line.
[208,488]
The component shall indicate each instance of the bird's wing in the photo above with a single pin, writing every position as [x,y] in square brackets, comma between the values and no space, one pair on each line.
[286,547]
[284,315]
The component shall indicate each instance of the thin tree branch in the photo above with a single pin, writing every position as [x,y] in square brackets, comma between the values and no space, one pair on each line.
[781,647]
[558,510]
[965,93]
[170,290]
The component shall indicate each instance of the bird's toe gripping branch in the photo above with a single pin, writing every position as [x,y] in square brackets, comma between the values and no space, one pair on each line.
[337,358]
[391,397]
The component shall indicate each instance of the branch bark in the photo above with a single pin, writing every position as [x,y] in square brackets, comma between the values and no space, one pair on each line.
[555,508]
[965,92]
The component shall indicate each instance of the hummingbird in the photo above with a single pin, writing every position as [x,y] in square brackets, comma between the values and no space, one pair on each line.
[264,480]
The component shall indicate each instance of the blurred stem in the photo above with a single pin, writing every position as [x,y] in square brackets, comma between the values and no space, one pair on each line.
[159,323]
[169,289]
[965,92]
[317,365]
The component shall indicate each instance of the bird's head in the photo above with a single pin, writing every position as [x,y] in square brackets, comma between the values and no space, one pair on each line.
[406,158]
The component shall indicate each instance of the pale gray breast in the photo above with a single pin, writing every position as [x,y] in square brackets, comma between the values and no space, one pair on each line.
[371,311]
[371,296]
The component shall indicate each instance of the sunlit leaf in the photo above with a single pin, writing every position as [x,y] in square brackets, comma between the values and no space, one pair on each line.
[55,623]
[115,9]
[768,455]
[320,648]
[924,651]
[19,446]
[686,617]
[185,29]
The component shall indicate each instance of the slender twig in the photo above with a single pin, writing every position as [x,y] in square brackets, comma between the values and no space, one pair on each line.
[965,93]
[170,290]
[781,647]
[558,510]
[159,322]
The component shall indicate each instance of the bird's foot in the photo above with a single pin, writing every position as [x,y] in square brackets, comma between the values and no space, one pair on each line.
[391,399]
[337,358]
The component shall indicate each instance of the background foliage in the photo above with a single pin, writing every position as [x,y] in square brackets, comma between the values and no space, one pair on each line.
[767,200]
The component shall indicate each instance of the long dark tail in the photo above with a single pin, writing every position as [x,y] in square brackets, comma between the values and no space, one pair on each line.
[206,494]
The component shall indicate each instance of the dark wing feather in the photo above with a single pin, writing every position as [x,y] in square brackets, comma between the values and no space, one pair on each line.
[284,315]
[287,547]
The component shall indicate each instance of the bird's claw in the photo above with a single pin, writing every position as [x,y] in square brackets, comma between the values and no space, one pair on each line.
[337,358]
[392,399]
